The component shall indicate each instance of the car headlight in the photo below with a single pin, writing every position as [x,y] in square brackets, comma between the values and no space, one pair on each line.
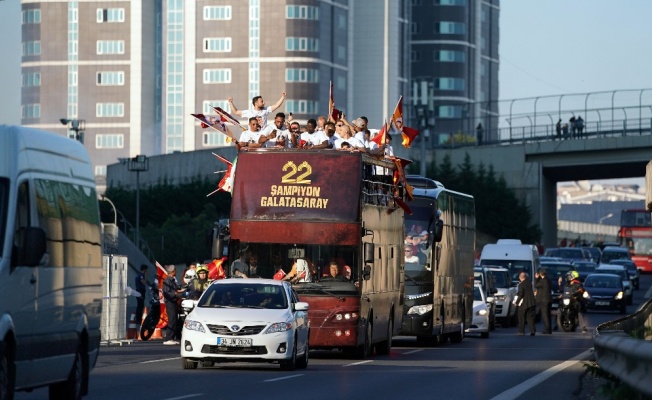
[482,312]
[194,326]
[420,309]
[619,296]
[566,302]
[586,295]
[500,297]
[278,327]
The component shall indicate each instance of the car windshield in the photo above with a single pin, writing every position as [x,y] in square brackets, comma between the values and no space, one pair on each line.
[608,256]
[500,279]
[255,295]
[630,265]
[602,281]
[620,272]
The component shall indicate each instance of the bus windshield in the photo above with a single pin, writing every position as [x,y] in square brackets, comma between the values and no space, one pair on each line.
[267,260]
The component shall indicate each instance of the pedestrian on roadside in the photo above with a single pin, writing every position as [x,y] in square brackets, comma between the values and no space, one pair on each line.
[526,304]
[141,287]
[544,299]
[558,129]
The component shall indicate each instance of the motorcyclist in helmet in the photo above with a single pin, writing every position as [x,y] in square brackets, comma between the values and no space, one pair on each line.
[576,290]
[197,286]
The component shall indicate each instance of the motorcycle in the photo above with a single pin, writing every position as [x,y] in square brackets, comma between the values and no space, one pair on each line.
[567,313]
[149,324]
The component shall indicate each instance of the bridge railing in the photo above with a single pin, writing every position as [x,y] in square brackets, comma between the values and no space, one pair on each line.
[623,348]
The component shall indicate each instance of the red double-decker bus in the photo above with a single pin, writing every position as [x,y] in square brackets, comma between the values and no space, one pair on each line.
[296,209]
[635,233]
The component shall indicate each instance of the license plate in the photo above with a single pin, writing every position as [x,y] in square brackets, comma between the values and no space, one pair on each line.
[240,342]
[601,303]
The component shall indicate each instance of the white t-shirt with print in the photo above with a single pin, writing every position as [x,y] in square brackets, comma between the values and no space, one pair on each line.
[315,139]
[283,132]
[249,137]
[258,113]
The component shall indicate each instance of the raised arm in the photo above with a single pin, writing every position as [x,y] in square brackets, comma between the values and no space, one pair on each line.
[279,102]
[234,110]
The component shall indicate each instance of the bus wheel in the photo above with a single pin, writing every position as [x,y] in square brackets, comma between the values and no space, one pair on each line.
[364,350]
[383,348]
[6,372]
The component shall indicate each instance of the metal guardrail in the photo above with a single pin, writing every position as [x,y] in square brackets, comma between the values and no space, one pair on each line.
[623,348]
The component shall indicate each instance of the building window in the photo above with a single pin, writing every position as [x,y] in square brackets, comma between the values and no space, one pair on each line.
[100,170]
[110,15]
[449,111]
[213,138]
[450,28]
[109,110]
[110,78]
[302,12]
[302,106]
[219,75]
[110,47]
[207,109]
[341,52]
[341,21]
[340,83]
[110,141]
[416,2]
[217,45]
[415,56]
[310,75]
[31,79]
[449,83]
[32,16]
[32,48]
[450,56]
[414,28]
[31,111]
[301,44]
[450,2]
[212,13]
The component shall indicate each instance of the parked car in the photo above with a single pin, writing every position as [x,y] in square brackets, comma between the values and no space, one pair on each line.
[610,253]
[595,252]
[624,276]
[632,270]
[257,320]
[485,277]
[554,271]
[584,268]
[604,291]
[480,323]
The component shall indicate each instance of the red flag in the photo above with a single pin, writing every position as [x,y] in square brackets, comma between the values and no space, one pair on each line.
[226,183]
[161,274]
[225,116]
[216,269]
[216,123]
[403,205]
[279,275]
[408,135]
[399,176]
[333,112]
[380,137]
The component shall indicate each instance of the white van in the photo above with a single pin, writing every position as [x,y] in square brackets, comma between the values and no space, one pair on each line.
[513,255]
[50,264]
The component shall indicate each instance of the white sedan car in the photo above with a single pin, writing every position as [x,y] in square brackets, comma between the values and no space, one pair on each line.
[480,323]
[255,320]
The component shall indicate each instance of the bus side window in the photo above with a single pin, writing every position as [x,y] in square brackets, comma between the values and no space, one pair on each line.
[21,223]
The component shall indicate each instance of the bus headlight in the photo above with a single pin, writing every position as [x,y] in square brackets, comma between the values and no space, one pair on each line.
[426,308]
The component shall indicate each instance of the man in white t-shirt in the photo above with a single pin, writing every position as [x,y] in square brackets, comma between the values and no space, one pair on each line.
[276,134]
[250,137]
[259,109]
[313,139]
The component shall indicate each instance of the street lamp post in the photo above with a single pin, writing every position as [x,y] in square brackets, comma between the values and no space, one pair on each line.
[115,212]
[76,125]
[605,217]
[139,164]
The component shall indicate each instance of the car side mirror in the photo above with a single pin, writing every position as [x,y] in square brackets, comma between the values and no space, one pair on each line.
[438,232]
[301,306]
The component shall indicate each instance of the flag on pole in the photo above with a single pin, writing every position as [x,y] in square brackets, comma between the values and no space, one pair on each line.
[380,137]
[228,117]
[226,183]
[333,112]
[216,123]
[408,134]
[399,176]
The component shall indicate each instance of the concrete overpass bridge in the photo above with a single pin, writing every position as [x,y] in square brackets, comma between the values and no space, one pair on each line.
[534,165]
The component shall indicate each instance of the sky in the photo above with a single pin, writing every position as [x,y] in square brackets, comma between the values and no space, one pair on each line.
[547,47]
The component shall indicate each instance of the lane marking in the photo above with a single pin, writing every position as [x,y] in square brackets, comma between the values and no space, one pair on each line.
[283,378]
[161,360]
[358,363]
[412,352]
[188,396]
[518,390]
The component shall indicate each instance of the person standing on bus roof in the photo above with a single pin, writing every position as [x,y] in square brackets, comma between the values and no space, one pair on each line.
[312,139]
[259,108]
